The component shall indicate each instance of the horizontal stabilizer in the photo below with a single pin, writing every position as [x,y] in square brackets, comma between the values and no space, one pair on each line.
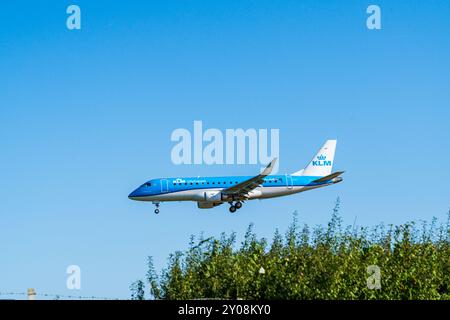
[329,177]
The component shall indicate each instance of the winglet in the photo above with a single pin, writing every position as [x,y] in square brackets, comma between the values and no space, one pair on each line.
[269,167]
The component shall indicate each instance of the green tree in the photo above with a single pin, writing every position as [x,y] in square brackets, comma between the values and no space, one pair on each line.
[310,263]
[137,290]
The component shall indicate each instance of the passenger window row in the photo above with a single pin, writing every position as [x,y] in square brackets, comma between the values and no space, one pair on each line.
[231,182]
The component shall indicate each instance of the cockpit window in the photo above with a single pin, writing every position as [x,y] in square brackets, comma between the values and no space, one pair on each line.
[148,184]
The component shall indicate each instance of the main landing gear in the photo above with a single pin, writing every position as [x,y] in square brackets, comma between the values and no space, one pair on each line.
[236,206]
[157,207]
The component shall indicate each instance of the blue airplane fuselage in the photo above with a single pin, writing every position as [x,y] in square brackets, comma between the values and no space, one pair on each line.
[193,188]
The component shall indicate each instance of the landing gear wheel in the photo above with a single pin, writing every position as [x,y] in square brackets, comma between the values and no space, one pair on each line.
[233,209]
[238,205]
[157,207]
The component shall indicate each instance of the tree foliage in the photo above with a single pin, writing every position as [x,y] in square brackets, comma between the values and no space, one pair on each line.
[320,263]
[137,290]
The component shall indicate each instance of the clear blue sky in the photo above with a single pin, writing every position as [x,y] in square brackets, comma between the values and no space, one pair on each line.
[86,116]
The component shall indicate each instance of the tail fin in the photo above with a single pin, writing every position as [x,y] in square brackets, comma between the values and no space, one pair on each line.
[322,163]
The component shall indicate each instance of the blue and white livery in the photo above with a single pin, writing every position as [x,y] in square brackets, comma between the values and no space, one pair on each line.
[209,192]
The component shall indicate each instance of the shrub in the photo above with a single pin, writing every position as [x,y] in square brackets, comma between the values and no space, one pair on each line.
[322,263]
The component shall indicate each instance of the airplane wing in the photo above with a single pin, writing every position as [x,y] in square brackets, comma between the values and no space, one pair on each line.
[329,177]
[244,187]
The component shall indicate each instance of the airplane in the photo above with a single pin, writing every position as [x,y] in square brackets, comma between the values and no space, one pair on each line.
[210,192]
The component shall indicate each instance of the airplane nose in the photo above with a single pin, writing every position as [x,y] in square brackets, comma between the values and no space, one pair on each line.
[133,194]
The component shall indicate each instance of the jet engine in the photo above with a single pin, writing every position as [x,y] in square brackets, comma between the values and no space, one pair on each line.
[213,196]
[216,196]
[207,205]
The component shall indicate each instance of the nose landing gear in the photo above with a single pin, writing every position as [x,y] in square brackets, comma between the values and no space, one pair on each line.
[157,207]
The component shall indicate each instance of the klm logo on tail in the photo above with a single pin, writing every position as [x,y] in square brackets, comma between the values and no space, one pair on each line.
[321,161]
